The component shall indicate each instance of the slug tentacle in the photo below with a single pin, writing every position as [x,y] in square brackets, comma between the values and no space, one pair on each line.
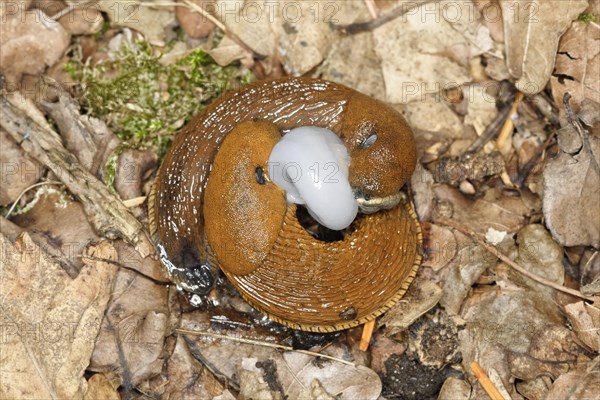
[214,204]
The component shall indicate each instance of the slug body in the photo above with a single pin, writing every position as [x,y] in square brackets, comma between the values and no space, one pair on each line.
[214,205]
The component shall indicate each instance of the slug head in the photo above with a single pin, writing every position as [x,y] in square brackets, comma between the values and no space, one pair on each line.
[243,209]
[382,149]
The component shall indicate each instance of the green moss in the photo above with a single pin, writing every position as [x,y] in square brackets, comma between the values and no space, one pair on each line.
[583,17]
[144,101]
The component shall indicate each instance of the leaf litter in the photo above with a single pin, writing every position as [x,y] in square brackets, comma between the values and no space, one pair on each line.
[516,176]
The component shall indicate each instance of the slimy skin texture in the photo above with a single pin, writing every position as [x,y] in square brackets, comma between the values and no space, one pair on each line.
[209,209]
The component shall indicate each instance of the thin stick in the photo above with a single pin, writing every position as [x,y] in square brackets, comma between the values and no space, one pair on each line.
[492,249]
[508,126]
[485,382]
[367,333]
[381,19]
[136,201]
[264,344]
[12,208]
[372,7]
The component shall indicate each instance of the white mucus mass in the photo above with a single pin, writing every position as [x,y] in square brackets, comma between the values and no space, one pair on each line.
[311,165]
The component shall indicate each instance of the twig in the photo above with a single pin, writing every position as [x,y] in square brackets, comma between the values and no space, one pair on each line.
[264,344]
[136,201]
[367,333]
[508,126]
[23,121]
[372,7]
[485,382]
[12,208]
[382,19]
[492,249]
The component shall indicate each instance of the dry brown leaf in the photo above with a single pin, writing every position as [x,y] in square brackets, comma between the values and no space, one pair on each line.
[540,255]
[576,69]
[571,183]
[50,320]
[552,352]
[194,24]
[290,371]
[421,297]
[455,389]
[464,270]
[531,33]
[493,210]
[585,319]
[498,322]
[360,70]
[428,49]
[187,378]
[100,387]
[151,21]
[30,33]
[62,224]
[582,384]
[441,246]
[134,329]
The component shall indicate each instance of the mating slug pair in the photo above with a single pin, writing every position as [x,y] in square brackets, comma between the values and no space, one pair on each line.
[214,204]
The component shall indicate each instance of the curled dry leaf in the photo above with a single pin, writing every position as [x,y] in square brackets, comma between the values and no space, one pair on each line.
[33,33]
[18,171]
[50,321]
[531,33]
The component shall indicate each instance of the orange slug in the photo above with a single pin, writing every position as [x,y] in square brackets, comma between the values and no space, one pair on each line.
[213,205]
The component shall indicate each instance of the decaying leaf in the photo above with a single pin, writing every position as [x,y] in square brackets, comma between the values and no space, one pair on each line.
[288,373]
[426,50]
[421,297]
[572,182]
[531,33]
[585,319]
[136,16]
[501,321]
[578,62]
[133,332]
[50,321]
[21,33]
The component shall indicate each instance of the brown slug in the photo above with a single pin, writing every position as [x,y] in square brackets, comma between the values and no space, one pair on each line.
[213,205]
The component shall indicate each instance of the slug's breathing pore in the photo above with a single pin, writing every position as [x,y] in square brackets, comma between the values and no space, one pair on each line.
[311,165]
[225,198]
